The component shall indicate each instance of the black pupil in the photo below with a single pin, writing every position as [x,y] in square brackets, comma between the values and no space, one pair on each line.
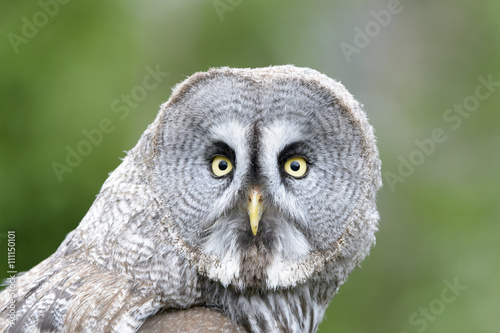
[223,165]
[295,166]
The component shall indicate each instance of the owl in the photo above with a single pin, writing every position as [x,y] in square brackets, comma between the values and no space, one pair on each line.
[242,208]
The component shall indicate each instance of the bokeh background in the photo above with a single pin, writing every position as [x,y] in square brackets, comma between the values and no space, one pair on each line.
[412,69]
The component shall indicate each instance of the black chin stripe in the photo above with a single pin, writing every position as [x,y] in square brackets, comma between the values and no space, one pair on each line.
[256,256]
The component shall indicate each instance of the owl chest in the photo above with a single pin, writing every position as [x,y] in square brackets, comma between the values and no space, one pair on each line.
[298,309]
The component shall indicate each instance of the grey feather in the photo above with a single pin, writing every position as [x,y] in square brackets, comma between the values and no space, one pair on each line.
[164,233]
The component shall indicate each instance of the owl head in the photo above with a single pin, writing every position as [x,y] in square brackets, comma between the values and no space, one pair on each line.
[267,176]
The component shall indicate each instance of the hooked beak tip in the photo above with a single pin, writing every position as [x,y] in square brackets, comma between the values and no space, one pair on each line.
[255,208]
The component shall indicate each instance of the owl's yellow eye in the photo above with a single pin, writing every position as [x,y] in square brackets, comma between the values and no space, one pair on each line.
[221,166]
[296,167]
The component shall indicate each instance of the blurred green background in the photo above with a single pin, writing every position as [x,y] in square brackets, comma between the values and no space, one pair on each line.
[413,69]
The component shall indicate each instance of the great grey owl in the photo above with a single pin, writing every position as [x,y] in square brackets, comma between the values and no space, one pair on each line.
[247,203]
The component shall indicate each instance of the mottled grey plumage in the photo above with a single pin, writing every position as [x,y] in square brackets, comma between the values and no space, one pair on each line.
[165,233]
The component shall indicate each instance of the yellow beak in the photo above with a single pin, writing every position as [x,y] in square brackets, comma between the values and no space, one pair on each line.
[255,208]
